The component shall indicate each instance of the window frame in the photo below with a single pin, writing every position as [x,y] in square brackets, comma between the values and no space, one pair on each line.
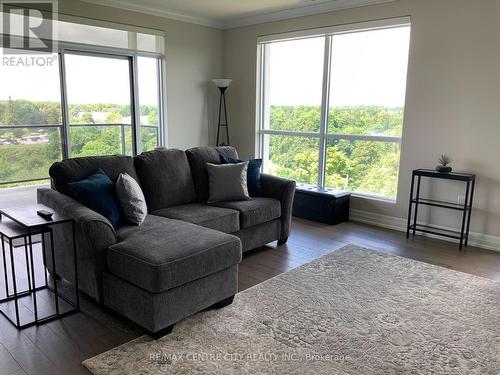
[131,56]
[262,115]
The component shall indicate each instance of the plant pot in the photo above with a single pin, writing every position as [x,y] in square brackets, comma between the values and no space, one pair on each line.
[443,169]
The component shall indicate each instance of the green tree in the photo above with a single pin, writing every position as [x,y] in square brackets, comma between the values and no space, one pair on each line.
[365,166]
[87,118]
[153,118]
[7,113]
[114,118]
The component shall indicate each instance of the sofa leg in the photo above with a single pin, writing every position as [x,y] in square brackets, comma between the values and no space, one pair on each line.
[282,241]
[162,332]
[223,303]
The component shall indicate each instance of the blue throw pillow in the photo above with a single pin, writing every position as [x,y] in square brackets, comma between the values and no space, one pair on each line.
[253,173]
[97,192]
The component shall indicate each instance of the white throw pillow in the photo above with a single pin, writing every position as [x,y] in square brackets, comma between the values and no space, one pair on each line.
[131,199]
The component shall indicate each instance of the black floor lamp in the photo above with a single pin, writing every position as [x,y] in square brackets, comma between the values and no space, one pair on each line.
[222,84]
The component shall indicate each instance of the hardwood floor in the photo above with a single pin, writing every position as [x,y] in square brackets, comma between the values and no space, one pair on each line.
[59,347]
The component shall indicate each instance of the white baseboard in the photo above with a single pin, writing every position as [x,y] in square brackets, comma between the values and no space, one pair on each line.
[484,241]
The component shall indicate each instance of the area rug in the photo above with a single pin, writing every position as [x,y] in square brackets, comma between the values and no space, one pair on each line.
[353,311]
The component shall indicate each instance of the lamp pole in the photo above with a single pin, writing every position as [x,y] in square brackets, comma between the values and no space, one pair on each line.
[222,85]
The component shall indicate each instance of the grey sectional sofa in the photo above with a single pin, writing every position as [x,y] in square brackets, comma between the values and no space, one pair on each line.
[184,257]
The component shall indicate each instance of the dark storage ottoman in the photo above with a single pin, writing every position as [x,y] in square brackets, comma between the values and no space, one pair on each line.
[324,205]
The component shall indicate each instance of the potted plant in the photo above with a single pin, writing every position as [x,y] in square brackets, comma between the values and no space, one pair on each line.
[444,164]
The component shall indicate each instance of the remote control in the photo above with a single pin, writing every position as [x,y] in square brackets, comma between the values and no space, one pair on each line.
[47,215]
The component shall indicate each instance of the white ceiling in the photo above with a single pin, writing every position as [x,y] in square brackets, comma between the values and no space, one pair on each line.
[233,13]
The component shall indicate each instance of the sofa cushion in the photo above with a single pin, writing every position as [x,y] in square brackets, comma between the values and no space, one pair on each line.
[227,182]
[97,192]
[151,222]
[253,173]
[172,255]
[165,178]
[131,199]
[222,219]
[76,169]
[256,211]
[198,158]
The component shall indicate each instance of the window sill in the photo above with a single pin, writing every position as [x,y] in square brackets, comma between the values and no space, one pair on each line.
[374,198]
[24,188]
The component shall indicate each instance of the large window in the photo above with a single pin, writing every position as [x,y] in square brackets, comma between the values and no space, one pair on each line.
[30,121]
[149,98]
[332,105]
[99,104]
[83,100]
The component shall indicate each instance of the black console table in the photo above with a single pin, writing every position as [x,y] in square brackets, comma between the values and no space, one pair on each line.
[465,208]
[21,305]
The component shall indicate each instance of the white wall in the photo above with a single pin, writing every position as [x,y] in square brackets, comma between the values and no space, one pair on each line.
[193,56]
[452,103]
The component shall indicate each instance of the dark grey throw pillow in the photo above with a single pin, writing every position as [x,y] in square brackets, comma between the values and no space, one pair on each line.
[227,182]
[131,199]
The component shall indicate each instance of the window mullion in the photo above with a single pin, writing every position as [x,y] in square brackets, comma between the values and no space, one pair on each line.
[369,138]
[135,110]
[263,103]
[324,112]
[260,100]
[66,145]
[162,131]
[291,133]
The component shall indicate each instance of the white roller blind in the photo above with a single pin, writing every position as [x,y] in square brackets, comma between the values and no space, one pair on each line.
[76,30]
[338,29]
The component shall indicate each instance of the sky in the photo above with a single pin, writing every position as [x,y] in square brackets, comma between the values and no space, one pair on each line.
[90,79]
[367,68]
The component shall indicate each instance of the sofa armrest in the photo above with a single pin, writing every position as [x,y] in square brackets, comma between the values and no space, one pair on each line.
[283,190]
[94,234]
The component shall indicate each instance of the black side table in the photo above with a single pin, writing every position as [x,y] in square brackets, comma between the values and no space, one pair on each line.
[21,307]
[465,208]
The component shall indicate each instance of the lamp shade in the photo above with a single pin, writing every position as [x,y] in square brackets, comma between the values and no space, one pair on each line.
[222,82]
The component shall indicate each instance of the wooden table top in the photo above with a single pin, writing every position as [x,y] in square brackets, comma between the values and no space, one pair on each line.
[27,217]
